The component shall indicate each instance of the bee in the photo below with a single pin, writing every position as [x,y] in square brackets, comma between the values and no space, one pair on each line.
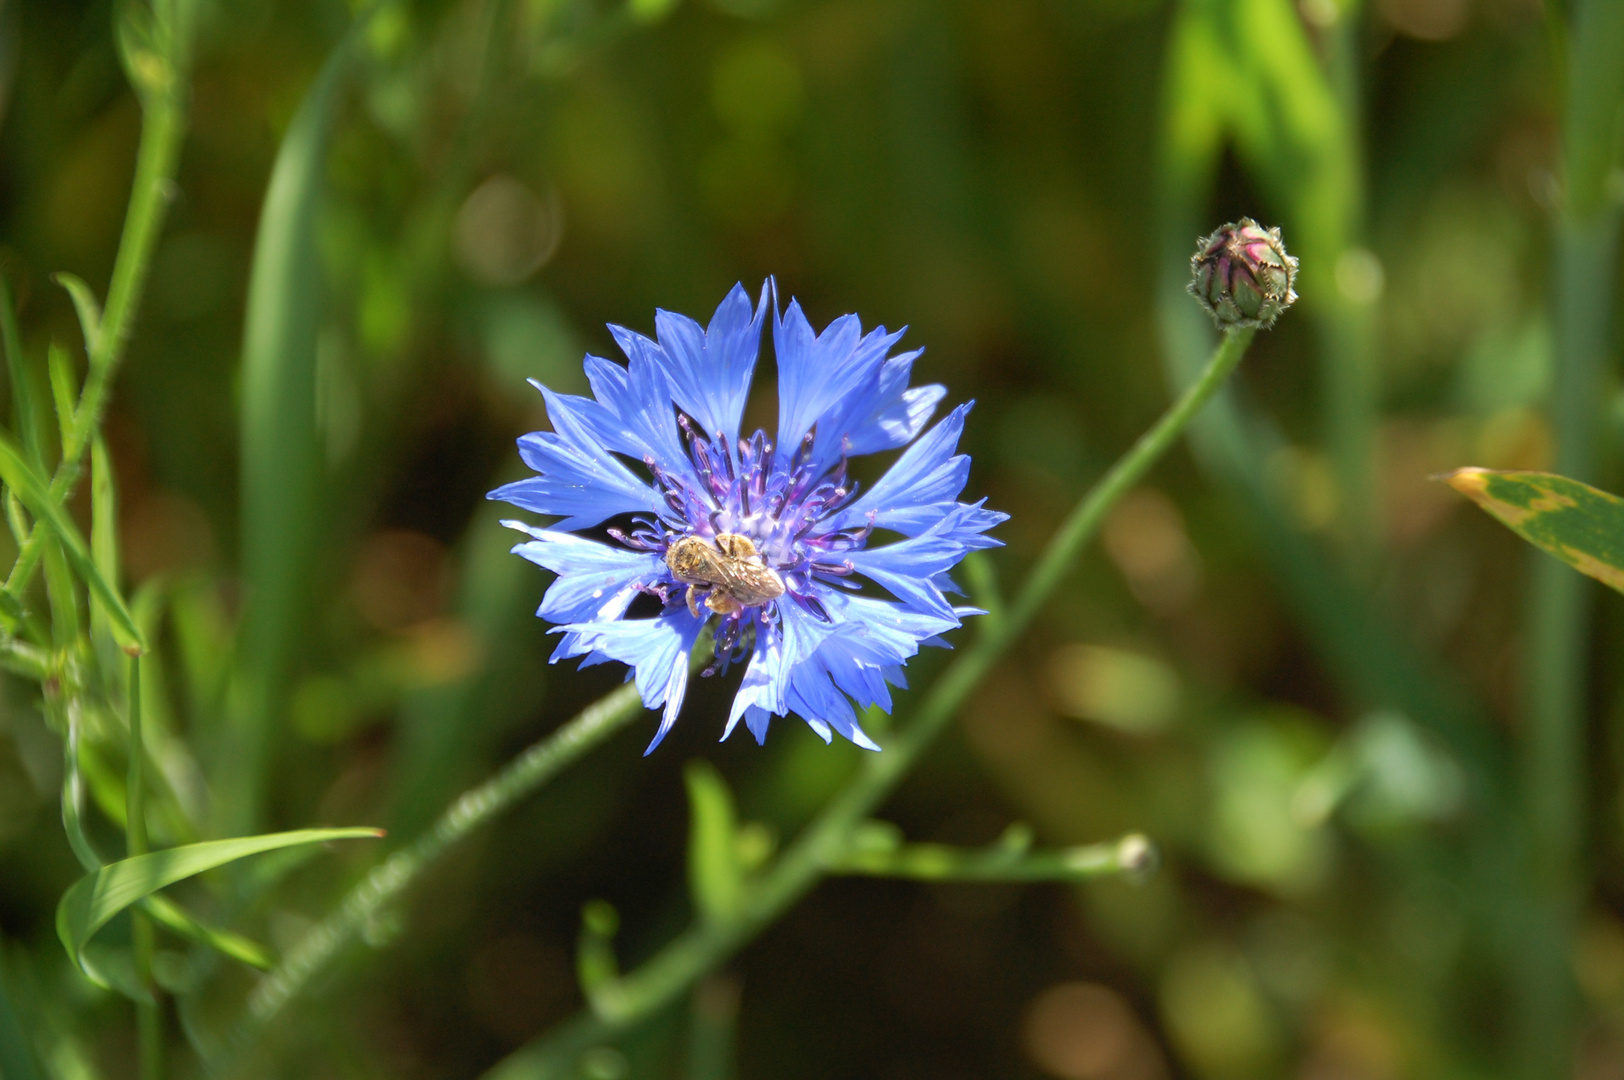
[732,569]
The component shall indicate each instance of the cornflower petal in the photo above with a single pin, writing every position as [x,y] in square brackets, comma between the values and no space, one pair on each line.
[710,368]
[908,568]
[919,489]
[646,405]
[815,697]
[657,649]
[594,583]
[895,414]
[580,479]
[816,371]
[757,720]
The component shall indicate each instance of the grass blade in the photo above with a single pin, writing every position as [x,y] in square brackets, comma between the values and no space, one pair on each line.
[94,899]
[22,384]
[281,445]
[103,529]
[714,875]
[176,918]
[64,392]
[84,303]
[1575,522]
[23,480]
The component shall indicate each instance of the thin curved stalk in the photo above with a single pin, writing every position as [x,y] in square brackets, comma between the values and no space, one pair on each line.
[163,128]
[149,1015]
[1546,997]
[389,880]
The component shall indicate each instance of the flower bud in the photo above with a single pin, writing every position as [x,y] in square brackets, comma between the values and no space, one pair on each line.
[1242,275]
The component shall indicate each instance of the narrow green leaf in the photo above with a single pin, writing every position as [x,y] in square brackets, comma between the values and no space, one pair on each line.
[73,786]
[19,657]
[11,609]
[1575,522]
[15,518]
[103,529]
[63,593]
[982,578]
[64,390]
[22,479]
[94,899]
[86,304]
[282,455]
[714,875]
[595,962]
[22,384]
[176,918]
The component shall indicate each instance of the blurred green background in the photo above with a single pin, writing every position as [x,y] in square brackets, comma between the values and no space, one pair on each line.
[1294,660]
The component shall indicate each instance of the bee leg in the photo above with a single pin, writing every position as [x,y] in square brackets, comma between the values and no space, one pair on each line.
[723,604]
[693,600]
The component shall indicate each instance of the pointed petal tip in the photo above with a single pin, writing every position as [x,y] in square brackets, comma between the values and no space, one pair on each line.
[659,736]
[859,737]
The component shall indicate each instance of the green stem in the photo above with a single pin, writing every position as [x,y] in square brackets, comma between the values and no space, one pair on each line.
[1583,290]
[621,1004]
[1133,854]
[713,1029]
[149,1010]
[163,125]
[135,813]
[387,881]
[1553,769]
[1350,393]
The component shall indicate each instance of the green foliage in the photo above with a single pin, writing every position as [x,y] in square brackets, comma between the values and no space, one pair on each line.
[94,899]
[281,448]
[715,878]
[16,1053]
[1575,522]
[31,488]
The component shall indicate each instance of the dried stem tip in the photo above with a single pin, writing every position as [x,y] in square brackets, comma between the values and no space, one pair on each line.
[1242,275]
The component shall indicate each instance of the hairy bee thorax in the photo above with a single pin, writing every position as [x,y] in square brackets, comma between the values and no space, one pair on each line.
[729,572]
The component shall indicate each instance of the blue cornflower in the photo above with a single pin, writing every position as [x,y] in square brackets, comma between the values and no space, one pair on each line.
[768,536]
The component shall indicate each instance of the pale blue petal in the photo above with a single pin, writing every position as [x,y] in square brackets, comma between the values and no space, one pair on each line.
[657,649]
[820,703]
[757,720]
[710,369]
[881,632]
[644,403]
[576,485]
[917,491]
[882,413]
[780,648]
[763,682]
[816,372]
[908,568]
[595,583]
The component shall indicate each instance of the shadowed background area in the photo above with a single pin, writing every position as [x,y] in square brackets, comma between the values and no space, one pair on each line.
[1292,659]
